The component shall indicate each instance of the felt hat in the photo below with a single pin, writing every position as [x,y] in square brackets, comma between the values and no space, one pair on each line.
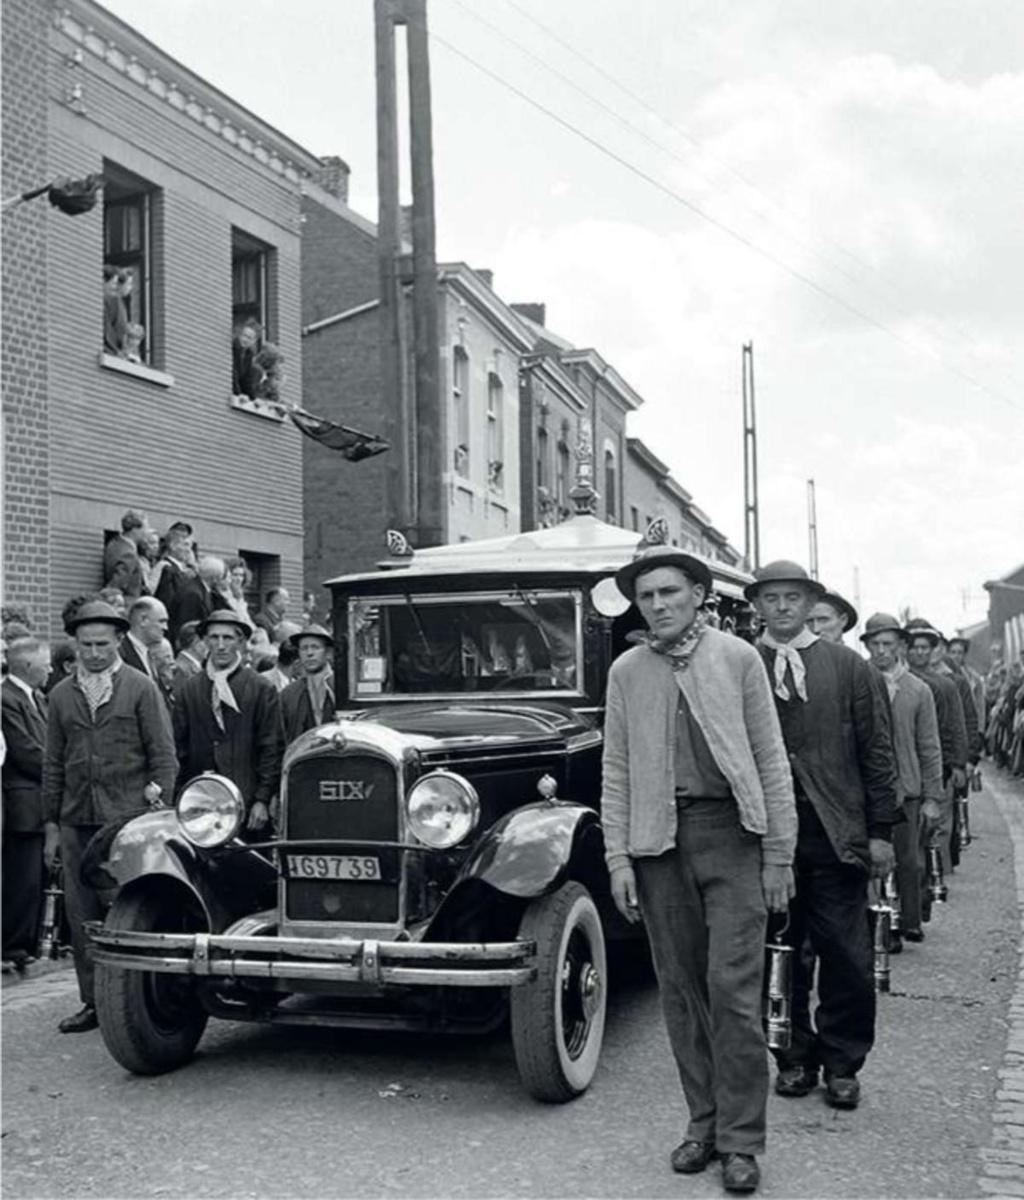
[881,623]
[959,641]
[224,616]
[841,605]
[96,612]
[651,557]
[314,631]
[919,627]
[782,571]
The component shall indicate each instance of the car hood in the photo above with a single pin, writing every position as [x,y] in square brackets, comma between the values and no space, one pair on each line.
[432,726]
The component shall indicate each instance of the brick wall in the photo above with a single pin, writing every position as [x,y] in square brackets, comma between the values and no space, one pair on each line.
[26,560]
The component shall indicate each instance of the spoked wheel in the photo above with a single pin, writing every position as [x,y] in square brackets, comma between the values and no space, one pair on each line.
[150,1022]
[558,1018]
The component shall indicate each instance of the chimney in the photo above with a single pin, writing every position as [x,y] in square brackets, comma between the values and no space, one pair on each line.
[532,312]
[486,274]
[405,223]
[333,176]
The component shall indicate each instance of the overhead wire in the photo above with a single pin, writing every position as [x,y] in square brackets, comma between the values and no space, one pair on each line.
[722,226]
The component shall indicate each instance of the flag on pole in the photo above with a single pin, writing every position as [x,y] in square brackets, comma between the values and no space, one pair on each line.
[354,444]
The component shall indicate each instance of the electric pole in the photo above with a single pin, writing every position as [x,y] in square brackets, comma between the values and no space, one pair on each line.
[751,516]
[812,529]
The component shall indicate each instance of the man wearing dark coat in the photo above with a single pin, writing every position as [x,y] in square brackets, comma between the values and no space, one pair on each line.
[844,776]
[24,709]
[122,567]
[109,755]
[227,719]
[309,700]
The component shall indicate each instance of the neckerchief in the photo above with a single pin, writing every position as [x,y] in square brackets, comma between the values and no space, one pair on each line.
[320,686]
[893,677]
[786,654]
[681,650]
[97,686]
[222,694]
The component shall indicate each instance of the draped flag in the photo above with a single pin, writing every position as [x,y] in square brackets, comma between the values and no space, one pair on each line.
[354,444]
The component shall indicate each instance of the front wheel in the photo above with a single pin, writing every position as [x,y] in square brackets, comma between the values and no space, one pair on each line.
[558,1018]
[150,1022]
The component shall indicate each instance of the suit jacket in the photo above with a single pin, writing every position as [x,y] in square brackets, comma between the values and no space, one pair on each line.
[173,579]
[840,748]
[297,710]
[247,750]
[95,768]
[196,601]
[24,729]
[122,568]
[131,656]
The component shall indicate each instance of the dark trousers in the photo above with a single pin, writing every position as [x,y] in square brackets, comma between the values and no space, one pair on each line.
[908,843]
[82,902]
[22,892]
[830,909]
[703,906]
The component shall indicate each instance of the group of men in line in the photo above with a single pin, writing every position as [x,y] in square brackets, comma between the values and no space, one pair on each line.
[787,777]
[108,742]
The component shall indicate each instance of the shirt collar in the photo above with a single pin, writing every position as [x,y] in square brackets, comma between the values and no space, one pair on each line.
[29,691]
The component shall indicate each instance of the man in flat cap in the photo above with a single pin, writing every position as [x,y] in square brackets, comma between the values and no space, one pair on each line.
[309,700]
[699,824]
[915,730]
[109,754]
[844,777]
[226,719]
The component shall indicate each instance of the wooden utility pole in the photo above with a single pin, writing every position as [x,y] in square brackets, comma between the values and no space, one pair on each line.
[751,515]
[812,529]
[413,415]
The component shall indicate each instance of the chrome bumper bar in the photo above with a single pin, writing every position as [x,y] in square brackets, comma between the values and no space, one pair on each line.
[335,960]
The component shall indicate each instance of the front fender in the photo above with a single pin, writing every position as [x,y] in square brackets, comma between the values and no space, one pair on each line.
[225,883]
[527,852]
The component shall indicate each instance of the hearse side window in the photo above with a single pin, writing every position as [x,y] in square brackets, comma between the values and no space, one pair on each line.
[515,641]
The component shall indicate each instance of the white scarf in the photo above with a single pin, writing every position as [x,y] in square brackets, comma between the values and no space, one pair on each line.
[893,677]
[786,654]
[222,693]
[98,686]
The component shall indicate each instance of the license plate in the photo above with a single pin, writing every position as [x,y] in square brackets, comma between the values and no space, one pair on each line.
[333,866]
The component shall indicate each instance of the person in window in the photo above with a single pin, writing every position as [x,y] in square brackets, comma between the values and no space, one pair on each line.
[246,374]
[115,315]
[238,577]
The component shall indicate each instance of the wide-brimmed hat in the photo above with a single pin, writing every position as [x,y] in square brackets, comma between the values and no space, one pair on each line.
[313,631]
[96,612]
[959,641]
[919,627]
[782,571]
[224,616]
[841,605]
[651,557]
[882,623]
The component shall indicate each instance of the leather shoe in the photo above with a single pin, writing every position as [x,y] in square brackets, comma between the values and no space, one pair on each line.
[842,1091]
[81,1022]
[795,1081]
[740,1173]
[913,935]
[690,1157]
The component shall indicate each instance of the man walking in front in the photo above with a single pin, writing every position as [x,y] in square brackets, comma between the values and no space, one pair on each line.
[697,807]
[109,754]
[844,777]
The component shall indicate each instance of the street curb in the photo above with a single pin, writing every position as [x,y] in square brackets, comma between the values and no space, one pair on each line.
[1002,1173]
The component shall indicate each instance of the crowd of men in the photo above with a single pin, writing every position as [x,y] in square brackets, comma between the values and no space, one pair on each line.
[783,785]
[164,673]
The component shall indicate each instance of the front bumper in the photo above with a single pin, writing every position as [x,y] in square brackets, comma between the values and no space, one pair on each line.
[335,960]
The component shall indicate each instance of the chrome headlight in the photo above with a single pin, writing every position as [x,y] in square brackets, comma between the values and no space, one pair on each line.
[210,810]
[442,808]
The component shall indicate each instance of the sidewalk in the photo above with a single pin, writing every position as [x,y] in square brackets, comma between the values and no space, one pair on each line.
[1003,1158]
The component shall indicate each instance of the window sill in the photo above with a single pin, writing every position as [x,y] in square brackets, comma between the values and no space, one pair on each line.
[258,408]
[110,362]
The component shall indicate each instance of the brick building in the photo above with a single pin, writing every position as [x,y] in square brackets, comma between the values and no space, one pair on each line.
[200,217]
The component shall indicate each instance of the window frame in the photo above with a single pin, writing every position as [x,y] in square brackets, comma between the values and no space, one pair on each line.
[460,411]
[126,192]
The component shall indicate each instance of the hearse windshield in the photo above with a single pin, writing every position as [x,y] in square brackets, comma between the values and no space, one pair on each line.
[515,640]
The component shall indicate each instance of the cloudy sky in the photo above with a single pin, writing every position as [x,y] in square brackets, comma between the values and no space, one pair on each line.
[838,183]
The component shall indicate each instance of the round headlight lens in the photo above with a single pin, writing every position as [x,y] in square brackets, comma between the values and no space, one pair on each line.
[442,809]
[210,810]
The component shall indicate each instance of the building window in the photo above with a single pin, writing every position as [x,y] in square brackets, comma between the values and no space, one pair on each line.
[495,433]
[128,266]
[255,359]
[609,485]
[460,400]
[634,518]
[542,457]
[562,484]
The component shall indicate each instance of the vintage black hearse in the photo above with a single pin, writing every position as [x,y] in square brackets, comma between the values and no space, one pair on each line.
[439,860]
